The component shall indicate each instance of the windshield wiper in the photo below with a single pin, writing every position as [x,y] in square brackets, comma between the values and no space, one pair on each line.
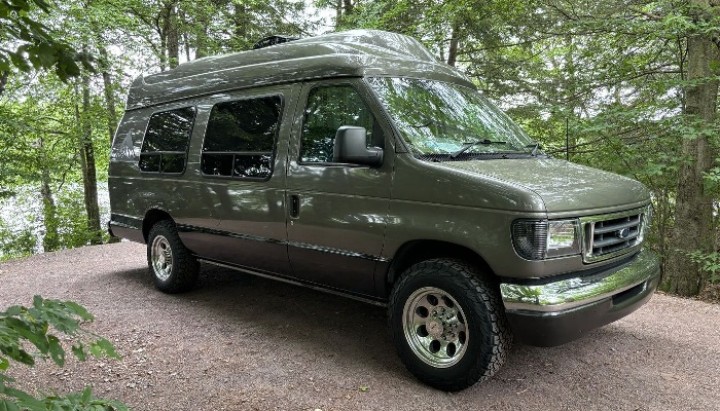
[467,146]
[535,146]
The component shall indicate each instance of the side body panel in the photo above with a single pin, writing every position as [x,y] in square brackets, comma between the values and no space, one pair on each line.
[230,220]
[133,193]
[337,237]
[250,213]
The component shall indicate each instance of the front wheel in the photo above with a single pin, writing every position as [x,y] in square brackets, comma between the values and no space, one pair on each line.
[448,324]
[174,269]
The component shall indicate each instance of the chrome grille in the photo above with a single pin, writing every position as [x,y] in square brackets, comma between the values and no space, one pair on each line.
[606,236]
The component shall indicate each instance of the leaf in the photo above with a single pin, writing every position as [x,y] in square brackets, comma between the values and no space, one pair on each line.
[103,347]
[24,400]
[86,395]
[79,310]
[43,5]
[79,351]
[38,339]
[4,363]
[3,379]
[32,56]
[59,316]
[56,351]
[22,328]
[25,358]
[19,61]
[66,66]
[6,405]
[14,311]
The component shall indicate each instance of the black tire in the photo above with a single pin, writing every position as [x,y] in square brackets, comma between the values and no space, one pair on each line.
[487,339]
[173,268]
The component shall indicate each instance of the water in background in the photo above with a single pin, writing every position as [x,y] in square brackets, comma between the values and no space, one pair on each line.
[23,212]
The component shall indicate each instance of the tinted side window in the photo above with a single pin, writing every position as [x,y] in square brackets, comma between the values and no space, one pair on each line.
[240,138]
[328,108]
[166,140]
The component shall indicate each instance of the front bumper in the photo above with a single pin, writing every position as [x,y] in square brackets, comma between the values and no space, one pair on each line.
[557,312]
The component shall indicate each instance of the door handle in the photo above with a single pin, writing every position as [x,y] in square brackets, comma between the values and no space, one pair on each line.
[294,206]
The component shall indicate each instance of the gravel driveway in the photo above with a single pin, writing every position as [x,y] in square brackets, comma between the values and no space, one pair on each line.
[241,342]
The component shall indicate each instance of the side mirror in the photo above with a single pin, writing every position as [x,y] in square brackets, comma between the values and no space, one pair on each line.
[350,147]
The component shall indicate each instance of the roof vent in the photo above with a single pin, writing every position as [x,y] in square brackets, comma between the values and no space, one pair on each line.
[273,40]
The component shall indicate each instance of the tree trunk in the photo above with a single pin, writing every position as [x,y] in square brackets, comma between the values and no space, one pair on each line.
[201,37]
[163,27]
[87,156]
[343,9]
[454,42]
[348,6]
[51,239]
[242,24]
[173,36]
[186,42]
[3,81]
[109,95]
[570,97]
[163,52]
[694,230]
[338,14]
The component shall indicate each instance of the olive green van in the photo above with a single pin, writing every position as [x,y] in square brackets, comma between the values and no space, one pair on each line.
[357,164]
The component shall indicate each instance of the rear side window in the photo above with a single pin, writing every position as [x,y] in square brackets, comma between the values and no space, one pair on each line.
[240,138]
[165,145]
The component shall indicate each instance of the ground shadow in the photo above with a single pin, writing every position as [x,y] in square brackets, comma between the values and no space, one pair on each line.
[238,304]
[230,305]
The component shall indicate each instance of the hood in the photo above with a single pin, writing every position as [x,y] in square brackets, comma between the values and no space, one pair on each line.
[563,186]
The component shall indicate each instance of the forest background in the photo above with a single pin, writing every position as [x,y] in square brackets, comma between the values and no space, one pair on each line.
[630,86]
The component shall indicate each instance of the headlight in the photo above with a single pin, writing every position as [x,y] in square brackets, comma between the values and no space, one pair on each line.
[647,222]
[541,239]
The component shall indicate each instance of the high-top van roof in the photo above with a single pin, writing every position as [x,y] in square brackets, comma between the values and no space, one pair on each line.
[347,54]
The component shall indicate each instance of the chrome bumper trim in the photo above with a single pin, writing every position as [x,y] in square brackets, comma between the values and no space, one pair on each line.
[576,291]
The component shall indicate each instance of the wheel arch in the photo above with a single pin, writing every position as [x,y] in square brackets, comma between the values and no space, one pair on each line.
[415,251]
[152,216]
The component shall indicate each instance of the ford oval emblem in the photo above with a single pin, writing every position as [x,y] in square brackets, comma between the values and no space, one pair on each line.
[623,233]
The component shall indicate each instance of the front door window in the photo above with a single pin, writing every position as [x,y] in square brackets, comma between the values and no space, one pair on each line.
[328,108]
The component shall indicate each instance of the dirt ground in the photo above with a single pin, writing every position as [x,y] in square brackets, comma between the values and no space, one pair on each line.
[240,342]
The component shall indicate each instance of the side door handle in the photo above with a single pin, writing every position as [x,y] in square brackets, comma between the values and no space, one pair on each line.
[294,206]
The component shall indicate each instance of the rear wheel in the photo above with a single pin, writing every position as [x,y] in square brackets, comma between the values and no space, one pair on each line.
[174,269]
[448,324]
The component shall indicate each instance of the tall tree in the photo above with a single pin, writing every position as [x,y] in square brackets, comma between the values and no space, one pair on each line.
[171,33]
[3,80]
[108,89]
[87,161]
[51,240]
[694,228]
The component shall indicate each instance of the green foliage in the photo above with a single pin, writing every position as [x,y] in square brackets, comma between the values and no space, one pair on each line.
[30,45]
[16,244]
[611,75]
[72,224]
[25,337]
[712,181]
[709,263]
[39,147]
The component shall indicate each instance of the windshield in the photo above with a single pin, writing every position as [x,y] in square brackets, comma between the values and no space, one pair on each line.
[435,117]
